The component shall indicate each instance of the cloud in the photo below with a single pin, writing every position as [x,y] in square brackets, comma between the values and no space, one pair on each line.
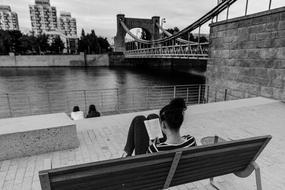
[101,14]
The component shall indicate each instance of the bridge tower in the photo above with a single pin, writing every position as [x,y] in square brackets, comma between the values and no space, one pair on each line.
[148,25]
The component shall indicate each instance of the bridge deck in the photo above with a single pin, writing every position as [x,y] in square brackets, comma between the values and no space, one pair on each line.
[104,138]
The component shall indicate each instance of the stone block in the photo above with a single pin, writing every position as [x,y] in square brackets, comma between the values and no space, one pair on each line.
[232,62]
[214,29]
[260,72]
[244,63]
[272,26]
[247,45]
[281,34]
[281,25]
[234,46]
[259,20]
[230,39]
[252,37]
[266,43]
[261,81]
[282,16]
[269,63]
[26,136]
[268,53]
[245,23]
[221,27]
[266,35]
[232,25]
[243,34]
[243,78]
[266,91]
[279,64]
[231,32]
[221,34]
[274,17]
[280,53]
[255,29]
[257,63]
[278,93]
[276,83]
[237,94]
[277,43]
[253,54]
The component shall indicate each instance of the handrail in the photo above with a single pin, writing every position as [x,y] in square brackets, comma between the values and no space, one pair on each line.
[184,50]
[110,101]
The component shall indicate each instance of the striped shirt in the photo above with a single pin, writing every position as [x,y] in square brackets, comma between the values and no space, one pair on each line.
[188,141]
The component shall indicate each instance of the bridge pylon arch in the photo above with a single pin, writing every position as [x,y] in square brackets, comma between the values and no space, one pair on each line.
[150,25]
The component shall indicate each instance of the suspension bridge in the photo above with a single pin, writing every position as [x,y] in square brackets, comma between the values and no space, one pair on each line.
[172,45]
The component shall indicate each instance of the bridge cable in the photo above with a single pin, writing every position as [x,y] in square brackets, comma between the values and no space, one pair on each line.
[178,39]
[214,12]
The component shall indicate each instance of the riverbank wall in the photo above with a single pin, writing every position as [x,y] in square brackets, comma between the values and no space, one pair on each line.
[81,60]
[247,55]
[117,59]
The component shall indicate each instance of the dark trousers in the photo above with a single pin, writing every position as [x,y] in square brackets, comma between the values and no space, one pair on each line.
[138,138]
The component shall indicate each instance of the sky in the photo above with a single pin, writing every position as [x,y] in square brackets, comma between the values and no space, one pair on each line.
[100,15]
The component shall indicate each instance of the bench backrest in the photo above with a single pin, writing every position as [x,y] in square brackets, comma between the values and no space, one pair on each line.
[154,171]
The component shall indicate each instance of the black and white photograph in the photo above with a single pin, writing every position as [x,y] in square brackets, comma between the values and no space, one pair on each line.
[142,94]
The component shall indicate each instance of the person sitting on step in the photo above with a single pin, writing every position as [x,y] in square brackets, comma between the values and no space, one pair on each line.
[93,112]
[76,114]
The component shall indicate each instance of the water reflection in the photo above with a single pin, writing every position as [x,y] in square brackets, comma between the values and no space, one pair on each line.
[28,91]
[53,79]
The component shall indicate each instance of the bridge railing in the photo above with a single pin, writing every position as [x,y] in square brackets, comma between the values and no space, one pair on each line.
[181,51]
[112,101]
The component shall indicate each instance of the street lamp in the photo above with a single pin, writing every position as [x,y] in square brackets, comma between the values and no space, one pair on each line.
[163,20]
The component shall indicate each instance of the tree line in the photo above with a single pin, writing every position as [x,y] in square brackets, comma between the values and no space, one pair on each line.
[23,44]
[186,36]
[90,43]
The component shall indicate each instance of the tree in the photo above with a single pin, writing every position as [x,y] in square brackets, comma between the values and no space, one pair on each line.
[104,44]
[82,44]
[42,44]
[4,42]
[26,45]
[91,43]
[15,35]
[145,35]
[57,45]
[186,35]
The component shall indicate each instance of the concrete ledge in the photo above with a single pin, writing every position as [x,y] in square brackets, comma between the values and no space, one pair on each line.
[26,136]
[251,16]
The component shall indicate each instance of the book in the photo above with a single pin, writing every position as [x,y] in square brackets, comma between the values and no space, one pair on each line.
[153,128]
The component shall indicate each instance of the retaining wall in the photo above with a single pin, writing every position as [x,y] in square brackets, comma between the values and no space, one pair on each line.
[247,55]
[54,60]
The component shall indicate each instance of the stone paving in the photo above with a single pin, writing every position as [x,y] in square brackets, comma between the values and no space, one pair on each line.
[103,138]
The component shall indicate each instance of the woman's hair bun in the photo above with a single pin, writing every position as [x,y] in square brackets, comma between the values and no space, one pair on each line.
[173,113]
[178,103]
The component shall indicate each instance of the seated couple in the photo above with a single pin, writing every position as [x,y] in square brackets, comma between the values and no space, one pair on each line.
[171,118]
[76,114]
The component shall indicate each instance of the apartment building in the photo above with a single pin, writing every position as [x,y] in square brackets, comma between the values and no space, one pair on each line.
[43,17]
[8,18]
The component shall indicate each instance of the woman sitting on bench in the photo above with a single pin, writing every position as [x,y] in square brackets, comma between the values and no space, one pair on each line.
[171,118]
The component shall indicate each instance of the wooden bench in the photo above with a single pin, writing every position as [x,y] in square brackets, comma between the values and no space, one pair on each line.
[161,170]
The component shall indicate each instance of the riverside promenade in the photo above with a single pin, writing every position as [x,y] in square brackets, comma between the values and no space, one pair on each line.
[103,138]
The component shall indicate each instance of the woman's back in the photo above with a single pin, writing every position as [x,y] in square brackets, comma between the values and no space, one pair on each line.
[77,115]
[187,141]
[93,114]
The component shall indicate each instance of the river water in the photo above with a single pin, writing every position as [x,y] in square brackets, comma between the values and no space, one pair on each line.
[52,79]
[28,91]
